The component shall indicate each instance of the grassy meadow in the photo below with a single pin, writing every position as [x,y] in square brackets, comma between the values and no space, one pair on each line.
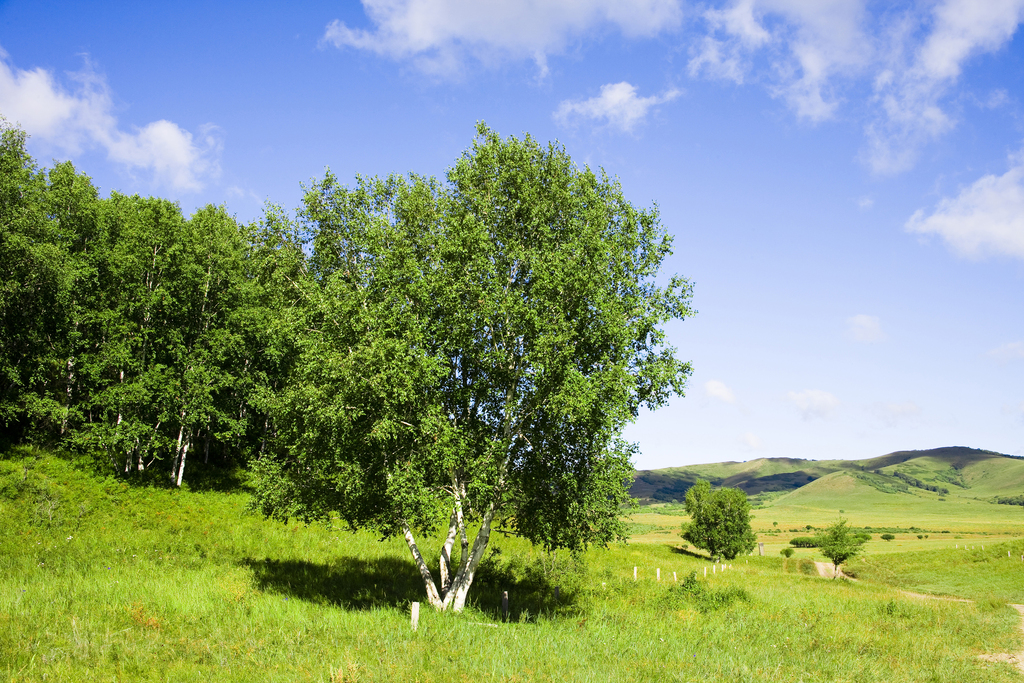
[103,580]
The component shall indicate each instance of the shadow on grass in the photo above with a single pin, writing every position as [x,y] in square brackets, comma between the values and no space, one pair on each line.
[389,582]
[679,550]
[350,583]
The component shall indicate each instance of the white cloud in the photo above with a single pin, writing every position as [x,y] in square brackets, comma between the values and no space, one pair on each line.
[439,34]
[729,57]
[617,104]
[751,442]
[71,121]
[813,403]
[985,218]
[717,389]
[898,63]
[865,203]
[916,76]
[892,414]
[807,53]
[808,45]
[1008,352]
[865,328]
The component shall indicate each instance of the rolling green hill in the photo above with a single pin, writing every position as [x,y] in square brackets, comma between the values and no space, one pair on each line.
[930,475]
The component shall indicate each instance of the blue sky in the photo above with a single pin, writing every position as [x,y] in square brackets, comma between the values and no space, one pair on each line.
[844,179]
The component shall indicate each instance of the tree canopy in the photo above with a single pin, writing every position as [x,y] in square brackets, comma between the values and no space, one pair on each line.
[469,353]
[719,521]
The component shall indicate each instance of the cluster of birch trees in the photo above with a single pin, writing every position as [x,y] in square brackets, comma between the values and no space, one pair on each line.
[131,331]
[408,354]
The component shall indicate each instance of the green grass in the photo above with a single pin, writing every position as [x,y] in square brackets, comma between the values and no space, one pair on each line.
[967,572]
[100,580]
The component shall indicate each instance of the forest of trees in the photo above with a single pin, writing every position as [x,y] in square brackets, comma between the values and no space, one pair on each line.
[131,331]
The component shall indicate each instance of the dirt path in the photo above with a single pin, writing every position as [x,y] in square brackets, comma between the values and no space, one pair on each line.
[828,570]
[1016,659]
[925,596]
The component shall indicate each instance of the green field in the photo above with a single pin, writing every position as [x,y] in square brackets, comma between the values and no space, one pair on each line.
[103,580]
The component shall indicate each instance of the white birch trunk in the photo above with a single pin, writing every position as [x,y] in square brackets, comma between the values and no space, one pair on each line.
[177,449]
[181,460]
[456,598]
[463,538]
[141,463]
[428,580]
[131,455]
[446,554]
[67,405]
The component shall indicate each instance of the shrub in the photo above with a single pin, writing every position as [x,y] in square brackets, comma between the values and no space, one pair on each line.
[788,552]
[703,598]
[887,537]
[895,608]
[804,542]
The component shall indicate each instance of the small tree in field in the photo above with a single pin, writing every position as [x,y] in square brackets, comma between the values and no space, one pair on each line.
[470,353]
[719,521]
[839,544]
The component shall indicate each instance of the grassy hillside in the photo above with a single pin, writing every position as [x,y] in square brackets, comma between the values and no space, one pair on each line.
[100,580]
[867,499]
[963,472]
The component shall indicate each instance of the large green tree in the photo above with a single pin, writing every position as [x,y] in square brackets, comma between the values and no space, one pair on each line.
[469,353]
[719,521]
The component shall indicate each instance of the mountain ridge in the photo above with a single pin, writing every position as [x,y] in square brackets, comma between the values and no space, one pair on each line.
[946,468]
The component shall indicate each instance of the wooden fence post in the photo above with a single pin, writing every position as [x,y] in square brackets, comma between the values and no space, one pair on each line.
[674,577]
[415,615]
[634,573]
[504,605]
[659,573]
[760,549]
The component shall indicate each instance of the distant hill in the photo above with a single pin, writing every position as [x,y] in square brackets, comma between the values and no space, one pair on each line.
[951,471]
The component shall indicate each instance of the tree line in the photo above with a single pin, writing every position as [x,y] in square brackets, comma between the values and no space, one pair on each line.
[913,481]
[131,331]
